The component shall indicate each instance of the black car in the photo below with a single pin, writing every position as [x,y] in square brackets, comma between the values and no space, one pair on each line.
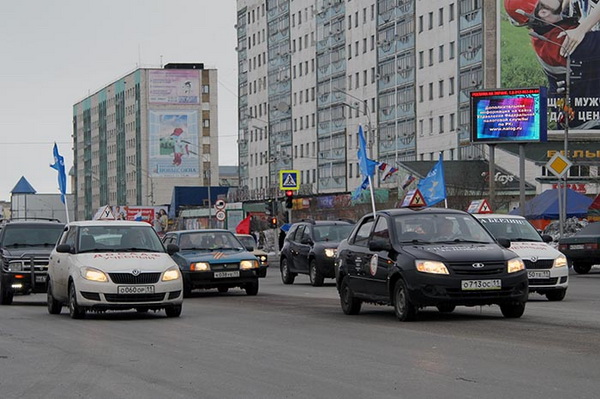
[310,247]
[404,259]
[583,248]
[25,247]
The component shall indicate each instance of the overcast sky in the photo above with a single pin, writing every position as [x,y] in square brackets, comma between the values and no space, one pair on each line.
[55,53]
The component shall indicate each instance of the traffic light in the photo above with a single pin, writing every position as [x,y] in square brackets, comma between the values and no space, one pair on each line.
[289,199]
[273,222]
[269,207]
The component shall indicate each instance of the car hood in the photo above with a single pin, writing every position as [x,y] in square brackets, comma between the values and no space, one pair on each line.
[216,256]
[125,261]
[459,252]
[259,252]
[36,251]
[327,244]
[532,249]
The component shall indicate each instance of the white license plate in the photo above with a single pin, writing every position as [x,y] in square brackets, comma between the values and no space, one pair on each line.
[538,274]
[40,279]
[576,246]
[470,285]
[227,274]
[135,289]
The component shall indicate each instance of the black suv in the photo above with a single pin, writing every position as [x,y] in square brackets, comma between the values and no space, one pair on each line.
[310,247]
[25,247]
[413,258]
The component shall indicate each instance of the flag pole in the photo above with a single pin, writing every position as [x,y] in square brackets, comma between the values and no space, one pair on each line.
[67,208]
[372,196]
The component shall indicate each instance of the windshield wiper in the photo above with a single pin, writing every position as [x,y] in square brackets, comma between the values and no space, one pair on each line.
[414,241]
[524,239]
[135,249]
[460,240]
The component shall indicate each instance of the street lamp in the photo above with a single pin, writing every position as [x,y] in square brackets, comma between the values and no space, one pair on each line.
[367,113]
[149,178]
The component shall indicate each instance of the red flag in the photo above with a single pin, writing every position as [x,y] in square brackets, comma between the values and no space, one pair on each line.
[244,226]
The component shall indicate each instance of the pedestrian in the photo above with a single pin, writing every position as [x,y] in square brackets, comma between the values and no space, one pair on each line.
[164,220]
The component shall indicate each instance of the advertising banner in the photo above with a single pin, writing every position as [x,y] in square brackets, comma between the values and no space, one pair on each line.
[173,143]
[174,86]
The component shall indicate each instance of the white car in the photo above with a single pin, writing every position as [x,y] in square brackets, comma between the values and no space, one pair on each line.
[547,267]
[113,265]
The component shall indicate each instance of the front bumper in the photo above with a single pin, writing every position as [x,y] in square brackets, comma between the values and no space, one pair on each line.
[25,282]
[544,280]
[325,266]
[207,280]
[432,290]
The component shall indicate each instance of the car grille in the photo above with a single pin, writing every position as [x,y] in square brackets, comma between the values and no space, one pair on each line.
[128,278]
[540,264]
[134,297]
[458,293]
[24,264]
[220,267]
[466,268]
[543,281]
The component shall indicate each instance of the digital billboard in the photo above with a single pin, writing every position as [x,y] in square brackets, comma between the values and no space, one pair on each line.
[509,115]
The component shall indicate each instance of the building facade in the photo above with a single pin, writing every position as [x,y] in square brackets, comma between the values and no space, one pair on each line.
[140,136]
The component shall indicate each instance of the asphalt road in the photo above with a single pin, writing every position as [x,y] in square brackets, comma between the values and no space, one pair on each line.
[295,342]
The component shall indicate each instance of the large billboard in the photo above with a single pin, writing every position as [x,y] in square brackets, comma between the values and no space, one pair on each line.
[534,52]
[174,86]
[173,143]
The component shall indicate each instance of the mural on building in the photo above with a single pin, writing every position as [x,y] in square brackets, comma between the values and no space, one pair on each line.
[174,86]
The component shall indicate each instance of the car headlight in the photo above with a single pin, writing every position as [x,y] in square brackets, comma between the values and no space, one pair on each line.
[248,264]
[430,266]
[330,252]
[171,274]
[263,258]
[200,267]
[515,265]
[561,261]
[15,267]
[92,274]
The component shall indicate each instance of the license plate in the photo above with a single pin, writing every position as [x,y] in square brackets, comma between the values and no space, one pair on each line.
[470,285]
[227,274]
[135,289]
[40,279]
[538,274]
[576,246]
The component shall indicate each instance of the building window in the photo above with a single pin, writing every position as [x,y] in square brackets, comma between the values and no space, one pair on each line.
[451,86]
[420,60]
[430,20]
[421,93]
[441,122]
[441,53]
[441,88]
[430,57]
[451,56]
[441,17]
[452,122]
[431,91]
[420,23]
[205,122]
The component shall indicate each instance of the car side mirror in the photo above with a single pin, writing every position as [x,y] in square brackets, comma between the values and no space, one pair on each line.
[172,248]
[505,242]
[306,240]
[250,248]
[378,244]
[547,238]
[64,248]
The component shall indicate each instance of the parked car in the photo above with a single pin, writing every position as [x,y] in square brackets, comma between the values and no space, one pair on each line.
[25,247]
[113,265]
[250,244]
[214,258]
[583,248]
[547,268]
[310,247]
[413,258]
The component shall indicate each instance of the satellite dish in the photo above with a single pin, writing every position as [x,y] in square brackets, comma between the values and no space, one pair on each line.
[283,107]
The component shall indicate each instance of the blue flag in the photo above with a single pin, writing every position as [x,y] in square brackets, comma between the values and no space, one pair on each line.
[59,165]
[433,186]
[366,165]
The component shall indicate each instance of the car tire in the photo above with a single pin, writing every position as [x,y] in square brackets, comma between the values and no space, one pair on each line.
[75,311]
[54,306]
[350,304]
[513,310]
[446,308]
[582,268]
[403,307]
[316,279]
[251,288]
[6,294]
[173,311]
[556,295]
[222,290]
[286,276]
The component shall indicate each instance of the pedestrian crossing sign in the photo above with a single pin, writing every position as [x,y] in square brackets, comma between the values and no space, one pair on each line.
[289,180]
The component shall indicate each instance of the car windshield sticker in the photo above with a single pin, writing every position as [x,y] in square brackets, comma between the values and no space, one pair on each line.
[503,220]
[133,255]
[373,264]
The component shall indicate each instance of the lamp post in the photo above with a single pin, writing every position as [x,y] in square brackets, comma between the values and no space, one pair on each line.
[367,113]
[149,178]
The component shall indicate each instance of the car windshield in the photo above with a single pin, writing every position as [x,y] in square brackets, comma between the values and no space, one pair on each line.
[440,228]
[119,238]
[515,229]
[28,235]
[247,241]
[332,232]
[209,241]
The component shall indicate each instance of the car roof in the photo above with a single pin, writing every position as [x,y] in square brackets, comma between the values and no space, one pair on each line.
[426,211]
[496,216]
[325,222]
[201,231]
[33,221]
[88,223]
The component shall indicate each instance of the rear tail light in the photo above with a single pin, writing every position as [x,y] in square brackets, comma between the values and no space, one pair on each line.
[562,247]
[591,246]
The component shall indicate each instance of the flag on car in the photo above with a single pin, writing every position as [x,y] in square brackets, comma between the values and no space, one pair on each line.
[243,227]
[387,170]
[409,179]
[366,165]
[59,165]
[433,186]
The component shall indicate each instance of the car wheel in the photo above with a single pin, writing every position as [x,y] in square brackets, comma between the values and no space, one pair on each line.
[223,290]
[513,310]
[54,306]
[582,268]
[316,279]
[350,304]
[404,309]
[251,288]
[173,311]
[446,308]
[75,311]
[556,295]
[286,276]
[6,294]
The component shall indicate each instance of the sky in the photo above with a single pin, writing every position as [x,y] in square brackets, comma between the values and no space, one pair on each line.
[55,53]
